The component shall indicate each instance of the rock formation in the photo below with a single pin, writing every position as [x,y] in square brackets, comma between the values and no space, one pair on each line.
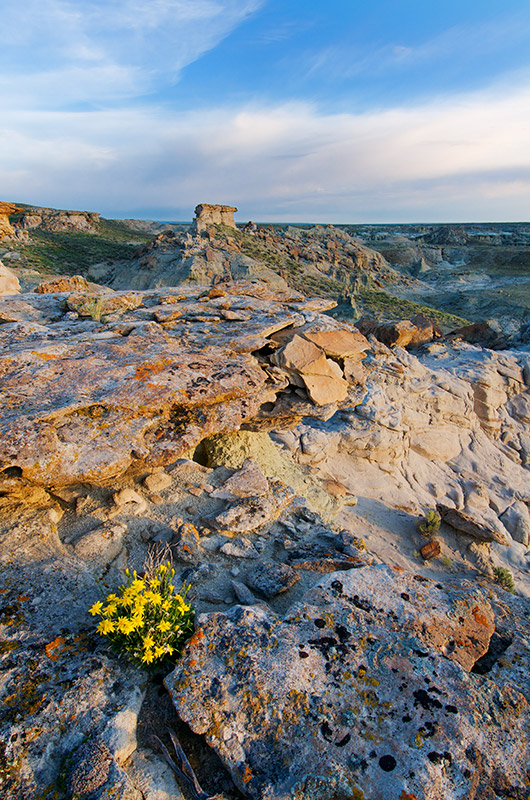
[6,210]
[285,458]
[207,215]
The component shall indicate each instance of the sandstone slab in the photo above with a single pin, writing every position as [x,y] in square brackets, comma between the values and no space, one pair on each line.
[472,525]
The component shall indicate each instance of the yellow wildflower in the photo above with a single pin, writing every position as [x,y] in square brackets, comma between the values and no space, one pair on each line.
[159,651]
[105,626]
[148,641]
[156,598]
[137,585]
[124,625]
[97,608]
[169,649]
[164,626]
[166,605]
[155,583]
[110,610]
[147,657]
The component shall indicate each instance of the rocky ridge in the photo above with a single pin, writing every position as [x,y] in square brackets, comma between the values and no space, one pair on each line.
[285,458]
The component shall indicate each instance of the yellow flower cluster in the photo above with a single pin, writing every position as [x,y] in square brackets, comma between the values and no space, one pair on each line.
[147,618]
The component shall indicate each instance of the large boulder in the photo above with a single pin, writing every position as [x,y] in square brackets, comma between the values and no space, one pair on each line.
[9,283]
[363,690]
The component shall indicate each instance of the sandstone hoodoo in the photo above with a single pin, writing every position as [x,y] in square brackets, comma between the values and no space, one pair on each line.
[6,210]
[347,511]
[207,214]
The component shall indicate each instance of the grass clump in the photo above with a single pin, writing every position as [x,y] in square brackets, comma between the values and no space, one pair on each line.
[504,577]
[430,524]
[92,307]
[146,619]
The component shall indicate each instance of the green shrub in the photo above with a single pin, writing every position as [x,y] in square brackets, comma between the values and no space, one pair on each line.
[430,524]
[504,577]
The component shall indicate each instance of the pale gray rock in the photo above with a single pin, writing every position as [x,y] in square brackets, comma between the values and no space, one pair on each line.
[251,514]
[516,519]
[239,548]
[249,481]
[270,578]
[102,545]
[363,690]
[243,593]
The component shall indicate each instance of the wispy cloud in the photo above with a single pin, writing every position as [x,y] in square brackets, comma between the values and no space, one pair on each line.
[106,48]
[466,156]
[454,45]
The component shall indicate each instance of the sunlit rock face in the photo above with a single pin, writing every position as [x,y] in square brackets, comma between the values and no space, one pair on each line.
[6,210]
[207,214]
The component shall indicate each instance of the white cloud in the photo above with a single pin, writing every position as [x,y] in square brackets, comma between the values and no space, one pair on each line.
[463,157]
[107,49]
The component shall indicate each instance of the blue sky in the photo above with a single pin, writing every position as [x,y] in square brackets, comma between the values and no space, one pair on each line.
[342,111]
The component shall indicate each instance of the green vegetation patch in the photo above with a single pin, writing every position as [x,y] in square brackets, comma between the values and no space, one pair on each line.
[73,253]
[385,306]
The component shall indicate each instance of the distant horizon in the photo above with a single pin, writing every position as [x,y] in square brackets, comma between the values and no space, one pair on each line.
[163,221]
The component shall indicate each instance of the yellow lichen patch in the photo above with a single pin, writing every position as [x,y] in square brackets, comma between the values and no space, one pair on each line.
[247,774]
[145,371]
[53,649]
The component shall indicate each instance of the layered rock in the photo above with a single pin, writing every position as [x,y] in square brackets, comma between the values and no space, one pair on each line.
[208,214]
[86,400]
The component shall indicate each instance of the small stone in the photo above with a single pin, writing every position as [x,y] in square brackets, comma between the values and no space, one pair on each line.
[243,594]
[158,481]
[102,545]
[249,481]
[188,548]
[127,495]
[239,548]
[430,550]
[271,578]
[195,490]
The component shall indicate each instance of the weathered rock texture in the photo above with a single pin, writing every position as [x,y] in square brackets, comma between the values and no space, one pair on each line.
[84,400]
[362,691]
[6,210]
[9,283]
[207,214]
[58,221]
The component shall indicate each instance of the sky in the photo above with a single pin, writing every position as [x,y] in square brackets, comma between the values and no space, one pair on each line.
[339,111]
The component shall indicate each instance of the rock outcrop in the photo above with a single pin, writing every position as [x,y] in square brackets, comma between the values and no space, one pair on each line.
[208,215]
[6,210]
[58,221]
[85,401]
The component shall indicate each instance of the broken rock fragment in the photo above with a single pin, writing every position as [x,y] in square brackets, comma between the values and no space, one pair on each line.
[308,366]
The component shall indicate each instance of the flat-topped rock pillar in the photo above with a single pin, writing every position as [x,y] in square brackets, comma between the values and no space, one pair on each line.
[207,214]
